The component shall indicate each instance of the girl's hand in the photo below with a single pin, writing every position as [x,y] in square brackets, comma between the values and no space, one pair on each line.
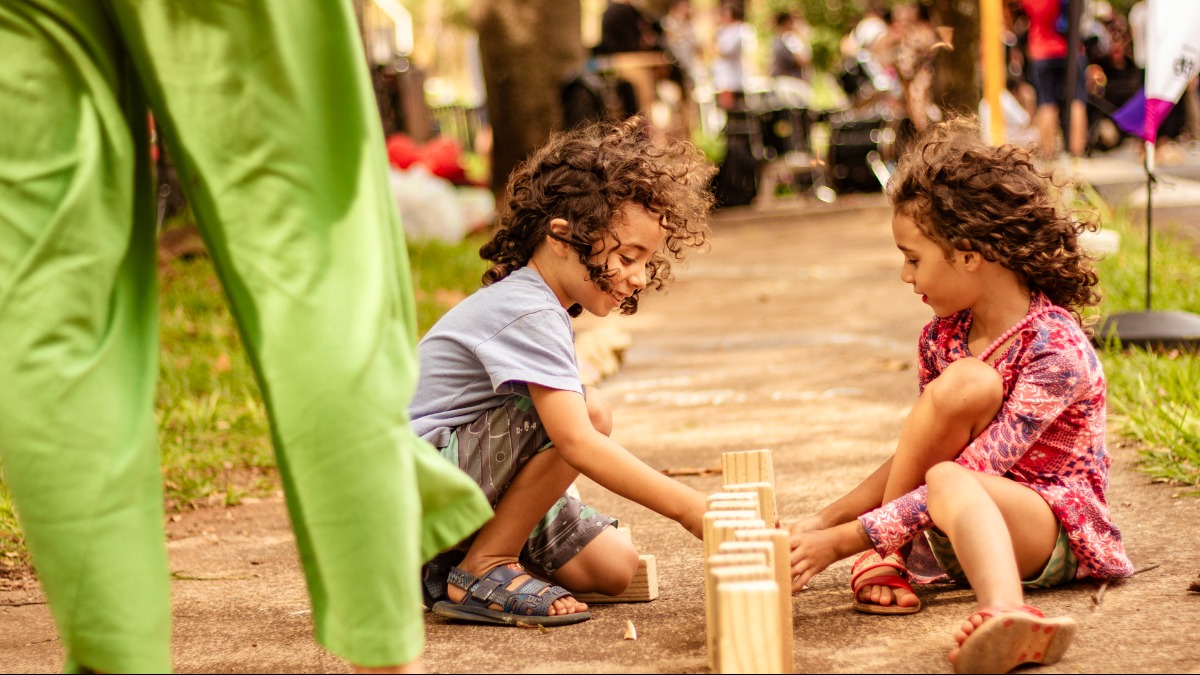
[814,550]
[808,524]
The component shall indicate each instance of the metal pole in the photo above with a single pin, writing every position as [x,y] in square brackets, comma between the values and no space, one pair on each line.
[991,44]
[1074,10]
[1148,162]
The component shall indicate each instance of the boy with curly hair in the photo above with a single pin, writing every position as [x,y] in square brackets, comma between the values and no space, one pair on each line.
[592,219]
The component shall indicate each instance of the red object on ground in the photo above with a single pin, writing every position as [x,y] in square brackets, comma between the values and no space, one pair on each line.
[443,157]
[402,151]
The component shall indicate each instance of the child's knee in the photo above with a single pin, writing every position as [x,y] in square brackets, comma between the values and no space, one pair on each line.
[967,387]
[599,412]
[607,564]
[943,475]
[615,577]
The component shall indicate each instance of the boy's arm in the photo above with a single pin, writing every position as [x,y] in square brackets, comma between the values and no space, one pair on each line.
[565,417]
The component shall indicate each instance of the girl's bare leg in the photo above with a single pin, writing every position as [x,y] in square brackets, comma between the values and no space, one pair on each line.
[953,409]
[1001,531]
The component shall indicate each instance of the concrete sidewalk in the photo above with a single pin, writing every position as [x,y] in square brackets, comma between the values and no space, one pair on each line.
[793,333]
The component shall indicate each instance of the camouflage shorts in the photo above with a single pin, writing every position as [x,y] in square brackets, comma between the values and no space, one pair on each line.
[1059,569]
[492,449]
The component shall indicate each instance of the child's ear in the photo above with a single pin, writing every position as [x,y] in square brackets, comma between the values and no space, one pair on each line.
[560,229]
[971,260]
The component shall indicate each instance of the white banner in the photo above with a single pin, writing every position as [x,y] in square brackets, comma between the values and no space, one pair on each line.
[1173,55]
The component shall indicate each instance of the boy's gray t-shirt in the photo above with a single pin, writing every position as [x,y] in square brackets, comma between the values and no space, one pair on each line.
[486,349]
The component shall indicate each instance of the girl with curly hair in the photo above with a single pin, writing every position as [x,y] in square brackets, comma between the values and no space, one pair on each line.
[590,221]
[1001,465]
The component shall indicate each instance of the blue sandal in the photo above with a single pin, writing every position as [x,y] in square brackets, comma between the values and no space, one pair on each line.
[435,574]
[528,604]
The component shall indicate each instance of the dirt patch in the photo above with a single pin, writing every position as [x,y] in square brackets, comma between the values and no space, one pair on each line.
[793,334]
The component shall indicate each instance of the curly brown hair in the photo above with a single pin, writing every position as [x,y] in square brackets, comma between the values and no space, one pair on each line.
[586,176]
[969,196]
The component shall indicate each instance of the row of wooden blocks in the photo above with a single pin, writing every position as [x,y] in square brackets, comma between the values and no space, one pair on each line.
[747,571]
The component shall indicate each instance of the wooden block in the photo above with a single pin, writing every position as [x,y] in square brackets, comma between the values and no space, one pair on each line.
[748,631]
[741,547]
[720,561]
[719,526]
[727,567]
[747,466]
[643,588]
[766,498]
[725,494]
[780,562]
[751,505]
[747,556]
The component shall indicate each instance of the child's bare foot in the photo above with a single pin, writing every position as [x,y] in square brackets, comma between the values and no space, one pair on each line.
[998,639]
[507,594]
[890,593]
[884,596]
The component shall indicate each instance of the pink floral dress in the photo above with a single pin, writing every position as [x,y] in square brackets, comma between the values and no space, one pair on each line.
[1048,435]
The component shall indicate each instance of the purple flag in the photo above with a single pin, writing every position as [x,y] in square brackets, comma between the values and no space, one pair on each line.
[1142,117]
[1131,116]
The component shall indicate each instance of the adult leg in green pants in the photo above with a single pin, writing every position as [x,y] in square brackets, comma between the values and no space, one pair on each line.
[268,114]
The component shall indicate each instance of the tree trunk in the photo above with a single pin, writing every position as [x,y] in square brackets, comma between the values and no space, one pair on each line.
[528,47]
[956,84]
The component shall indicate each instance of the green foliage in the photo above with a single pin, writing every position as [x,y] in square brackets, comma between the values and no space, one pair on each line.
[443,274]
[712,145]
[213,432]
[1154,396]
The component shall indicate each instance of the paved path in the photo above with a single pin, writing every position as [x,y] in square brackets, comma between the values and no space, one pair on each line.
[794,333]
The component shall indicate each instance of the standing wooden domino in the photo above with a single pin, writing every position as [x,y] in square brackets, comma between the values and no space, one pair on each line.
[766,498]
[728,567]
[720,527]
[780,562]
[747,466]
[748,627]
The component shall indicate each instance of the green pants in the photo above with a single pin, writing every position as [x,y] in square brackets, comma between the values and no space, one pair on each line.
[268,113]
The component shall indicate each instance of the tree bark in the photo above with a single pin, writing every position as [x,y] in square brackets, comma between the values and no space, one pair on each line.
[956,85]
[527,48]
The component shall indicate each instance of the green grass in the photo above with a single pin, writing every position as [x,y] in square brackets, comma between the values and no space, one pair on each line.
[213,433]
[1154,396]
